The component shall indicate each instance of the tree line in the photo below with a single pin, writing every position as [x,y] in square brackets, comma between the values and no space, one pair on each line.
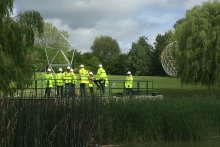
[25,38]
[141,59]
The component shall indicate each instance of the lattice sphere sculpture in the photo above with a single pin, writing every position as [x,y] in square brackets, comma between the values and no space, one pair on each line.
[168,59]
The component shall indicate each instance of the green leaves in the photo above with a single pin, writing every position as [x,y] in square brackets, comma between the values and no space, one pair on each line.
[16,36]
[140,57]
[198,39]
[105,48]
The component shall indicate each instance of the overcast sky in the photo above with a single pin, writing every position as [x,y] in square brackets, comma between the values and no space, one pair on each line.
[123,20]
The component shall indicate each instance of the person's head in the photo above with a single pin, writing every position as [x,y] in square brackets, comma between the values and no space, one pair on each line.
[68,68]
[100,65]
[129,73]
[81,66]
[60,69]
[91,73]
[48,70]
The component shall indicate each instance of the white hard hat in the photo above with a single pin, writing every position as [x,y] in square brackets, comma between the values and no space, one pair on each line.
[129,73]
[100,65]
[68,67]
[49,70]
[81,65]
[60,69]
[71,69]
[90,73]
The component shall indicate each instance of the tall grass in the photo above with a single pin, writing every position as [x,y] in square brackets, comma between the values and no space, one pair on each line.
[77,122]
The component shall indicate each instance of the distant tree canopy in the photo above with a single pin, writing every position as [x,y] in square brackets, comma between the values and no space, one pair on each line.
[160,43]
[198,36]
[16,37]
[51,41]
[106,49]
[140,57]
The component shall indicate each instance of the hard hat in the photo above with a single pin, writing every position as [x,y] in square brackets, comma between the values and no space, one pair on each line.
[100,65]
[49,70]
[71,69]
[60,69]
[129,73]
[81,65]
[90,73]
[68,67]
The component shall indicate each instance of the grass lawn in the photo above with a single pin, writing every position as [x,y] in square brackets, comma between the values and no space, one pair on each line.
[168,86]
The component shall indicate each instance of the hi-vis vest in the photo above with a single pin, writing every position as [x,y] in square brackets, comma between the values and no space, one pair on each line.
[83,75]
[129,81]
[60,79]
[67,77]
[101,74]
[73,78]
[49,80]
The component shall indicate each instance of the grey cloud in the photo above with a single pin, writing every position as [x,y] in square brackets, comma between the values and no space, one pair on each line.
[124,20]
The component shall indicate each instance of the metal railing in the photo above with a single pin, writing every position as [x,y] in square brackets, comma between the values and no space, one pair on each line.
[114,88]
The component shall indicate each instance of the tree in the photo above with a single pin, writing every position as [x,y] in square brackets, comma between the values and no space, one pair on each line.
[91,61]
[121,65]
[198,37]
[161,42]
[106,49]
[16,37]
[140,57]
[51,41]
[52,37]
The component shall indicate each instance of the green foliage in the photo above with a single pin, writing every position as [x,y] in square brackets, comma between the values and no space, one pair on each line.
[16,37]
[106,49]
[140,57]
[51,41]
[28,18]
[198,37]
[121,65]
[52,37]
[6,7]
[161,42]
[88,121]
[91,61]
[37,57]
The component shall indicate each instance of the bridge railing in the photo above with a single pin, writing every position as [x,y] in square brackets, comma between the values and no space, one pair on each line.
[114,88]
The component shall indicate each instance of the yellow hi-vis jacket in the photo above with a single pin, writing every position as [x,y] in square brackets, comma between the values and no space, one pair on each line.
[83,73]
[67,77]
[49,80]
[128,81]
[60,79]
[101,74]
[73,78]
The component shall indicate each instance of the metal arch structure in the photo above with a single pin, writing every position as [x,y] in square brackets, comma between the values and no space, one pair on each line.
[168,60]
[59,50]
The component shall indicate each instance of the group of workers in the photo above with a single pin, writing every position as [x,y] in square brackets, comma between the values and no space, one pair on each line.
[65,82]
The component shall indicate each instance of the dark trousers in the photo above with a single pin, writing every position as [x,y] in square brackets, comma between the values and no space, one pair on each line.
[91,91]
[67,90]
[101,85]
[60,91]
[82,89]
[128,91]
[73,90]
[47,92]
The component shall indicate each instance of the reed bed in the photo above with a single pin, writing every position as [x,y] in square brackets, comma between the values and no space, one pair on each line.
[89,121]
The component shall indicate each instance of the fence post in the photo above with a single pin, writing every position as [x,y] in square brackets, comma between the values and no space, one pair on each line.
[138,88]
[109,91]
[147,87]
[35,83]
